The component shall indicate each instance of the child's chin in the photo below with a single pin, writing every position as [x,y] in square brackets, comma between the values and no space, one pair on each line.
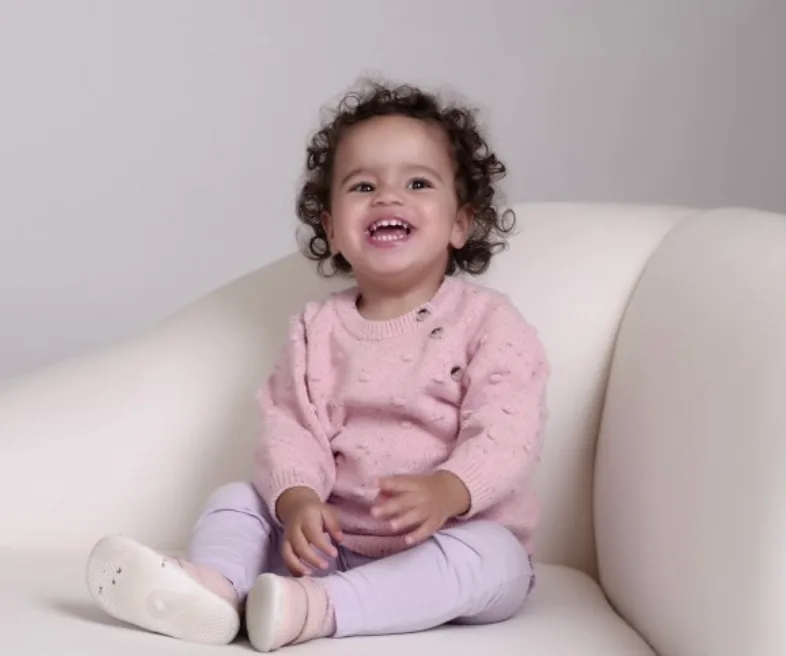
[385,270]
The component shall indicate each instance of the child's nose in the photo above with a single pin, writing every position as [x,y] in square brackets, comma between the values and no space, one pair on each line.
[387,195]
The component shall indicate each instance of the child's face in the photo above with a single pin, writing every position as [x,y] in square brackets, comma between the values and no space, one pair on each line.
[395,170]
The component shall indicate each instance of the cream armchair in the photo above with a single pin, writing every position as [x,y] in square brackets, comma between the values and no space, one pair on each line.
[663,478]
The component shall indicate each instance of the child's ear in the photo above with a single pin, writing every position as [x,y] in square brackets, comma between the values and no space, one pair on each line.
[462,227]
[327,224]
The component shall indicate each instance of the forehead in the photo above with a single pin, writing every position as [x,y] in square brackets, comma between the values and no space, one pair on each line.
[390,139]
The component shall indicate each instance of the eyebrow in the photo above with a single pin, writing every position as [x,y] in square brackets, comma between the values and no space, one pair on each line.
[408,167]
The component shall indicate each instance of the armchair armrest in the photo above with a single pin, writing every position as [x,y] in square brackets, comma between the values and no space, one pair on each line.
[690,487]
[87,447]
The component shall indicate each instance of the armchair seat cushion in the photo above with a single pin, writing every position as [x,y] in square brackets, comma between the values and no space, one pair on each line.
[45,608]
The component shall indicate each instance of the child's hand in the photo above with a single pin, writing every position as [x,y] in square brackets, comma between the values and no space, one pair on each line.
[307,523]
[421,504]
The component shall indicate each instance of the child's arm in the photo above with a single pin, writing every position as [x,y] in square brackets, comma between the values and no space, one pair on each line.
[294,450]
[503,411]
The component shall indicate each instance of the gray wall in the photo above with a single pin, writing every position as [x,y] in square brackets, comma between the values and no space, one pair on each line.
[150,149]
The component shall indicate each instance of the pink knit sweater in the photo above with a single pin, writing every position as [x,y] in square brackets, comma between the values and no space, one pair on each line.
[457,384]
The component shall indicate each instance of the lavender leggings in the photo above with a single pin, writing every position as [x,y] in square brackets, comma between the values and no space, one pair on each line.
[476,573]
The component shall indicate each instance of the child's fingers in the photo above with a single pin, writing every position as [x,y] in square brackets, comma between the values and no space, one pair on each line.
[304,551]
[311,535]
[321,542]
[421,533]
[395,506]
[293,563]
[409,520]
[333,528]
[397,484]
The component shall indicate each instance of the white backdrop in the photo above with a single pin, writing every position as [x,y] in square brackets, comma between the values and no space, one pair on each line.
[150,149]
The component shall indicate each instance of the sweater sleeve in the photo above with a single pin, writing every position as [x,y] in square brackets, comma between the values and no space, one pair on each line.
[294,448]
[503,411]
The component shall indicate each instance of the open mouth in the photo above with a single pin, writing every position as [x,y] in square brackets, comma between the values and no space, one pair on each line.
[389,230]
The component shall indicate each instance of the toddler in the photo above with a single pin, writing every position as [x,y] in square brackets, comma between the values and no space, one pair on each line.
[393,484]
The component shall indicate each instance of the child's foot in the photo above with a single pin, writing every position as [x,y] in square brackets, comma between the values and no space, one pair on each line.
[137,585]
[282,611]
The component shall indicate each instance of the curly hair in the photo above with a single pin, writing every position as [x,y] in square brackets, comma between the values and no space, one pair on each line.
[477,171]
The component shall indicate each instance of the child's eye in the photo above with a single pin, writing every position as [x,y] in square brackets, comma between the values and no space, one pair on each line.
[419,183]
[363,187]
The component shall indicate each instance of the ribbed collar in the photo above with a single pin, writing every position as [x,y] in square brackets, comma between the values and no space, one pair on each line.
[421,317]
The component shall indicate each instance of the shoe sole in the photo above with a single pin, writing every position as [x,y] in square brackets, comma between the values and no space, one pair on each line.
[265,612]
[134,584]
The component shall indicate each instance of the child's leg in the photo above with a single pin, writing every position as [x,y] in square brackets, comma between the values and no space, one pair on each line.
[236,537]
[196,600]
[477,573]
[474,573]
